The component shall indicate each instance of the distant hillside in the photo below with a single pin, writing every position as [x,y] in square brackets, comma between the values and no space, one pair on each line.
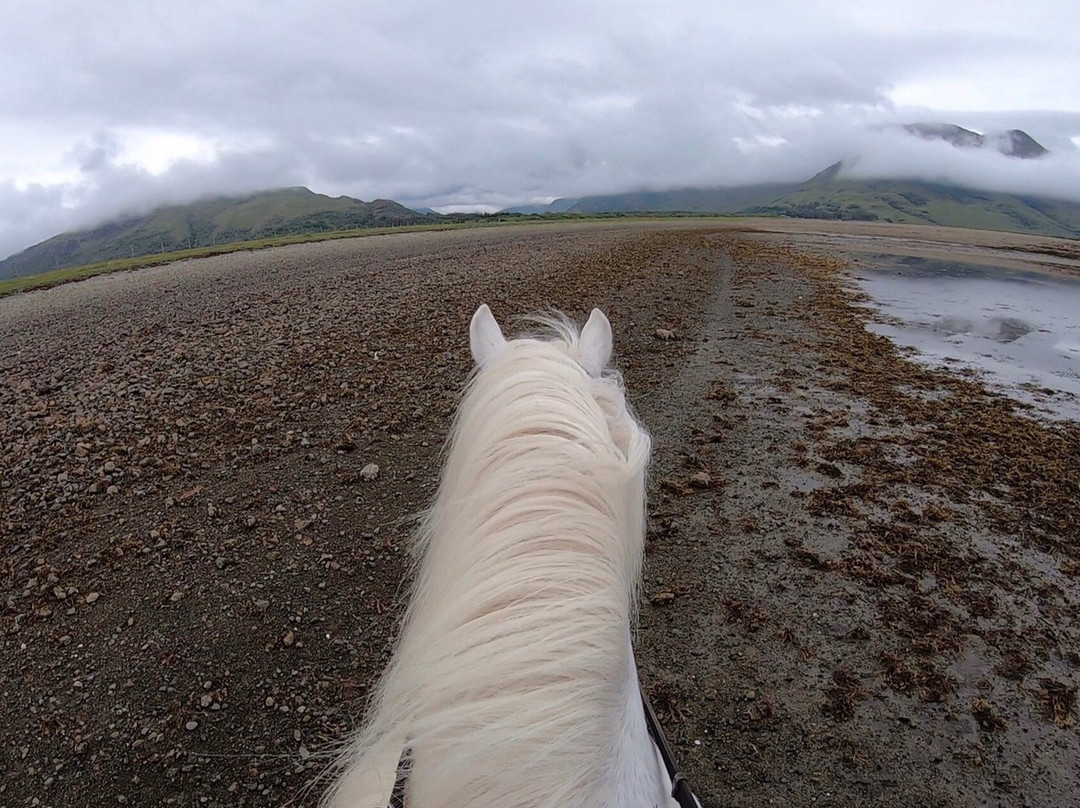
[557,206]
[828,195]
[684,200]
[916,202]
[220,220]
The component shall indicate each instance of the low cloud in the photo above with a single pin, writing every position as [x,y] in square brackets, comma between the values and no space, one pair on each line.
[504,161]
[892,154]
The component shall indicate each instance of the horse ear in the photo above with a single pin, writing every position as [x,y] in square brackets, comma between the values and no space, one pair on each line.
[595,344]
[485,336]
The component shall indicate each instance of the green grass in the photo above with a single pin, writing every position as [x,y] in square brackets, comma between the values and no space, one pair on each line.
[911,202]
[56,277]
[44,280]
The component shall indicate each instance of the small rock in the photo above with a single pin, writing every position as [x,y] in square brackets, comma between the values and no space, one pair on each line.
[369,472]
[751,695]
[176,596]
[665,334]
[700,479]
[191,725]
[662,597]
[112,489]
[289,638]
[92,597]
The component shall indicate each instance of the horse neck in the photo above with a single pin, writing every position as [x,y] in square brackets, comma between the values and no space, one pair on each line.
[636,776]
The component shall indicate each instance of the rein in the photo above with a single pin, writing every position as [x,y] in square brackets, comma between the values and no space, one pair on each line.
[680,786]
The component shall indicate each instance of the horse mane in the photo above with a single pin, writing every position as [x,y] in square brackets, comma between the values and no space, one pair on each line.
[504,684]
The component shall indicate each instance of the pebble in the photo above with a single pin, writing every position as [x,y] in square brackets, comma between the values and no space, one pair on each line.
[370,471]
[191,725]
[700,479]
[93,596]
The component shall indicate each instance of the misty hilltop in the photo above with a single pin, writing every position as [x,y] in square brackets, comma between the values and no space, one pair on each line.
[1012,143]
[209,222]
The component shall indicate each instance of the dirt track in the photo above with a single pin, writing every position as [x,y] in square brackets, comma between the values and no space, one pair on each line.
[861,583]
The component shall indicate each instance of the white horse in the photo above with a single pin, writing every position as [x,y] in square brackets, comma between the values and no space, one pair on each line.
[513,682]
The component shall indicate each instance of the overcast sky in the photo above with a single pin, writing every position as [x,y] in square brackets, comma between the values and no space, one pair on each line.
[110,107]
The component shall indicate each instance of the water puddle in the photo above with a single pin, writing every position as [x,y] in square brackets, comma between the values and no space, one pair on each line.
[1019,331]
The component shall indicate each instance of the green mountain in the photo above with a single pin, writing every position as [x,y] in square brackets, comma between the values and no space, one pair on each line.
[829,196]
[221,220]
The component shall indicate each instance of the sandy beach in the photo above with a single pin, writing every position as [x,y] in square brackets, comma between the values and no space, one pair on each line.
[862,579]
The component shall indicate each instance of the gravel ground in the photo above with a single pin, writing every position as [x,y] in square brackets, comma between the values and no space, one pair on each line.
[861,582]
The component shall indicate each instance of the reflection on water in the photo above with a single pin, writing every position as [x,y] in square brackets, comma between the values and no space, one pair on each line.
[1019,330]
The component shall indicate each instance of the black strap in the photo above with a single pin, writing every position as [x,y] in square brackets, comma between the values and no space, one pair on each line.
[680,786]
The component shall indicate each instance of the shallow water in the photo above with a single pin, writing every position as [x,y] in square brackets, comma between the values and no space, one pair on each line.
[1020,331]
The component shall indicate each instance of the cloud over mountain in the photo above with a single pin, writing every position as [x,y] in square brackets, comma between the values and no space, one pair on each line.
[120,107]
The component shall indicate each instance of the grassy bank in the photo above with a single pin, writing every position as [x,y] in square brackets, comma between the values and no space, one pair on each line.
[69,274]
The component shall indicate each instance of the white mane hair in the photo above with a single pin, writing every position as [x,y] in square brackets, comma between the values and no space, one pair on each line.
[509,683]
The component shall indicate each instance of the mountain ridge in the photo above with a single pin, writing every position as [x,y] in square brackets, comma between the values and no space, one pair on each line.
[830,194]
[208,222]
[1011,143]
